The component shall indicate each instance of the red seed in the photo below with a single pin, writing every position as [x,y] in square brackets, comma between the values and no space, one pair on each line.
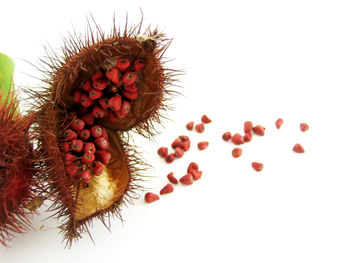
[102,143]
[163,152]
[199,127]
[185,145]
[259,130]
[85,175]
[77,124]
[226,136]
[248,137]
[77,96]
[172,178]
[179,152]
[131,88]
[65,147]
[101,84]
[71,116]
[112,116]
[192,166]
[184,138]
[124,110]
[95,94]
[248,126]
[237,139]
[113,75]
[88,158]
[71,169]
[130,95]
[69,134]
[123,64]
[104,133]
[97,75]
[86,101]
[203,145]
[103,157]
[88,118]
[195,174]
[69,158]
[139,64]
[257,166]
[279,123]
[190,125]
[176,143]
[87,86]
[151,197]
[298,148]
[169,188]
[77,145]
[89,147]
[104,103]
[236,152]
[170,158]
[115,103]
[186,179]
[97,168]
[304,127]
[129,78]
[98,112]
[205,119]
[84,134]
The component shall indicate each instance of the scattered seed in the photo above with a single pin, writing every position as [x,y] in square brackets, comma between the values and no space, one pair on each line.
[163,152]
[304,127]
[193,166]
[203,145]
[186,179]
[248,126]
[248,137]
[195,174]
[190,125]
[259,130]
[298,148]
[170,158]
[199,128]
[257,166]
[236,152]
[151,197]
[237,139]
[169,188]
[179,152]
[205,119]
[226,136]
[172,178]
[279,123]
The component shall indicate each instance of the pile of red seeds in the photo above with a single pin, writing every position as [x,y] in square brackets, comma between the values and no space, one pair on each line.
[108,94]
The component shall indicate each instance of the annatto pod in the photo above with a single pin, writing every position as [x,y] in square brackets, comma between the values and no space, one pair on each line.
[107,84]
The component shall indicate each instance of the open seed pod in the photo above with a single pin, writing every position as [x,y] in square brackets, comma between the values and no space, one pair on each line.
[105,86]
[18,198]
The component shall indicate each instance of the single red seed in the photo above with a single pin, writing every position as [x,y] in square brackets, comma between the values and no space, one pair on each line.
[97,168]
[170,158]
[104,133]
[176,143]
[186,179]
[97,75]
[195,174]
[179,152]
[151,197]
[69,134]
[72,115]
[129,78]
[113,75]
[77,145]
[130,95]
[87,86]
[203,145]
[77,96]
[85,101]
[199,127]
[259,130]
[169,188]
[190,125]
[77,124]
[89,147]
[236,152]
[248,126]
[112,116]
[88,118]
[131,88]
[95,94]
[279,123]
[104,103]
[298,148]
[84,134]
[101,143]
[139,65]
[103,157]
[185,145]
[123,64]
[85,176]
[88,158]
[69,158]
[101,84]
[115,103]
[163,152]
[257,166]
[96,131]
[237,139]
[172,178]
[226,136]
[124,110]
[192,166]
[98,112]
[71,169]
[248,136]
[205,119]
[304,127]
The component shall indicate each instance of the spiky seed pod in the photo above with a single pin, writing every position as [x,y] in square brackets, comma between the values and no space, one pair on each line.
[17,183]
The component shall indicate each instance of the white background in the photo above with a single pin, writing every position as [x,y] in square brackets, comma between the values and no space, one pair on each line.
[244,60]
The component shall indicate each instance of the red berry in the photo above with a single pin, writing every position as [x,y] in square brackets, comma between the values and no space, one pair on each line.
[139,65]
[97,168]
[163,151]
[257,166]
[115,103]
[298,148]
[101,143]
[101,84]
[77,145]
[248,126]
[172,178]
[179,152]
[169,188]
[184,138]
[104,103]
[77,124]
[170,158]
[98,112]
[248,137]
[190,125]
[89,119]
[65,147]
[69,158]
[112,116]
[186,179]
[104,133]
[86,101]
[185,145]
[88,158]
[192,166]
[237,139]
[129,78]
[205,119]
[304,127]
[113,75]
[87,86]
[77,96]
[96,131]
[71,169]
[69,134]
[123,64]
[95,94]
[85,175]
[236,152]
[71,115]
[176,143]
[195,174]
[203,145]
[89,147]
[131,88]
[103,157]
[199,127]
[279,123]
[259,130]
[84,134]
[124,110]
[151,197]
[226,136]
[130,95]
[97,75]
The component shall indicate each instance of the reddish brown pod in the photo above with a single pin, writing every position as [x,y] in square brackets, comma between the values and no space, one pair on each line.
[107,84]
